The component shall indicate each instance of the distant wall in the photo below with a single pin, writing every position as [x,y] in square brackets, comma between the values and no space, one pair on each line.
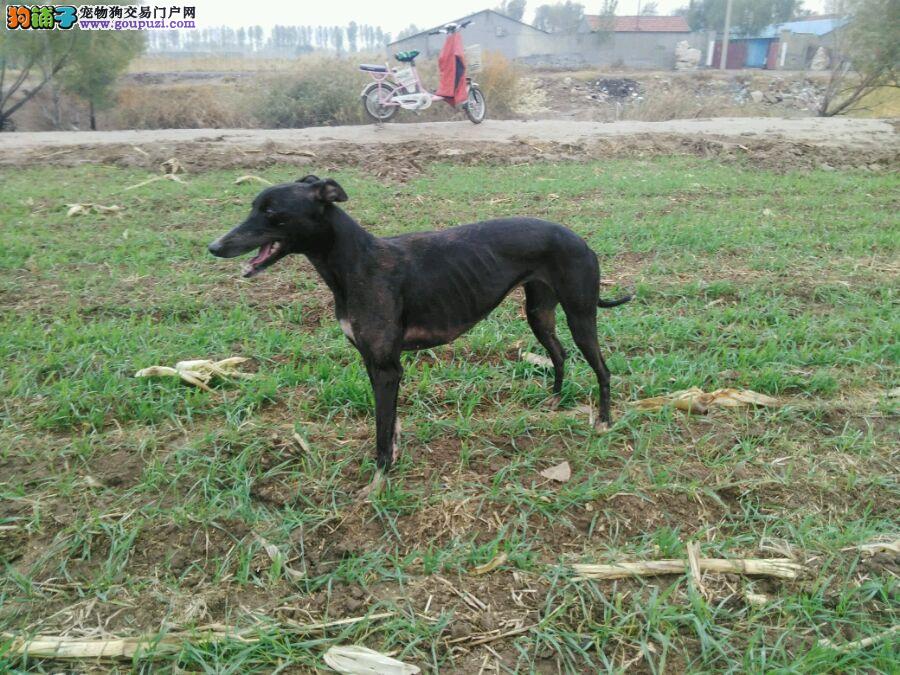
[527,45]
[635,50]
[492,31]
[799,48]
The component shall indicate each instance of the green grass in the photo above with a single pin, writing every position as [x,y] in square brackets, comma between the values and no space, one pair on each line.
[135,506]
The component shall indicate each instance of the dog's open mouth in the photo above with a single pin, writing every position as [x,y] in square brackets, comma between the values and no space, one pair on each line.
[268,253]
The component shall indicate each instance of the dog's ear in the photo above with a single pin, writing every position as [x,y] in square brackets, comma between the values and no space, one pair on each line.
[308,179]
[329,191]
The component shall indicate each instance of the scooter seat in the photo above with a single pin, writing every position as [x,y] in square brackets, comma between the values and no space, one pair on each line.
[373,68]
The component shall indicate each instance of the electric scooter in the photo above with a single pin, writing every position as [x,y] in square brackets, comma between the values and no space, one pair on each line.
[396,88]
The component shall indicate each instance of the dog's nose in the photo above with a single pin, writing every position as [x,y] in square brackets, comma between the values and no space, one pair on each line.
[215,248]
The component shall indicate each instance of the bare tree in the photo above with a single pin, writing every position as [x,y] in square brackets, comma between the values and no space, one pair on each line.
[866,56]
[514,9]
[22,56]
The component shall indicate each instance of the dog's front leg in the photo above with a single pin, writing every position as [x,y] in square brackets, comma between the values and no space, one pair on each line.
[385,378]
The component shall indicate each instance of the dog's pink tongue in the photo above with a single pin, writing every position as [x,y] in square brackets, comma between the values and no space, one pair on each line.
[262,255]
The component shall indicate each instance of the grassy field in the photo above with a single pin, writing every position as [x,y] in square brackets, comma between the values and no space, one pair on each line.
[133,506]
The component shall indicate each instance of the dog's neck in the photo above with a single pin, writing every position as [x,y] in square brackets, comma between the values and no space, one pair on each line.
[339,255]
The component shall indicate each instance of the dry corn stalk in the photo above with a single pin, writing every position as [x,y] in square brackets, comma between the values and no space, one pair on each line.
[880,547]
[357,660]
[695,400]
[250,177]
[198,371]
[74,648]
[783,568]
[56,647]
[168,176]
[860,644]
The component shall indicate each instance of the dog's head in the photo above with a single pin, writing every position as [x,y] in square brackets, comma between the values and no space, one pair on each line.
[284,219]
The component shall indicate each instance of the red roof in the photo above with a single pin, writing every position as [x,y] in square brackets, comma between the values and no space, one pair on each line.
[640,24]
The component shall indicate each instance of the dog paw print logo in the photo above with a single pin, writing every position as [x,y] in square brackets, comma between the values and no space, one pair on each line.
[46,17]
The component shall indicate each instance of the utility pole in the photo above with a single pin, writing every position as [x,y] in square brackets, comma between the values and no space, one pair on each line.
[723,58]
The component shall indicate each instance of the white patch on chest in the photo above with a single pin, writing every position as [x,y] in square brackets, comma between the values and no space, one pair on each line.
[348,330]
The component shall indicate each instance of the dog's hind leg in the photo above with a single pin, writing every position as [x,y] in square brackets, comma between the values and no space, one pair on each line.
[583,325]
[540,308]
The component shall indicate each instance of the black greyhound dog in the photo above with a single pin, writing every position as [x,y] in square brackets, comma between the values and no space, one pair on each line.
[421,290]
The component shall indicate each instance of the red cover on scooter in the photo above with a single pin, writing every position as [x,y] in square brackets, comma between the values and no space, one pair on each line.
[452,66]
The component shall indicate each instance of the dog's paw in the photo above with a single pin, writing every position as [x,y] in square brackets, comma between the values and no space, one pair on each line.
[601,427]
[372,489]
[554,402]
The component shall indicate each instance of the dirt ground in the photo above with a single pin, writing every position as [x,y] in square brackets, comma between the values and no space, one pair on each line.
[187,550]
[397,151]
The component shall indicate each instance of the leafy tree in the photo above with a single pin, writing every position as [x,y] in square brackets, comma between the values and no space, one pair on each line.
[563,16]
[748,17]
[867,55]
[352,34]
[514,9]
[95,63]
[650,9]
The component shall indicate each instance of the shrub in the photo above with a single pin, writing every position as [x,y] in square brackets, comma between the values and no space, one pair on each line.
[180,107]
[501,81]
[321,92]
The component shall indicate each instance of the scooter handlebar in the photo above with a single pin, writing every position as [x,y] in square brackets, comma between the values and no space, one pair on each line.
[451,28]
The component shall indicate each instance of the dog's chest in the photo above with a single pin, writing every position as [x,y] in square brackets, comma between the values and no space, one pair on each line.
[346,328]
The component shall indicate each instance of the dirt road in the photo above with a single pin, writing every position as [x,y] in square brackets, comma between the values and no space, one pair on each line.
[399,152]
[835,132]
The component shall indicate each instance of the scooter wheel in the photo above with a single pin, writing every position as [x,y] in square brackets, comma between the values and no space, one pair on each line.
[476,106]
[372,103]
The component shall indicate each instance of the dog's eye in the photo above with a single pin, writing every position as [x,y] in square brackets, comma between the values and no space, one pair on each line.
[270,212]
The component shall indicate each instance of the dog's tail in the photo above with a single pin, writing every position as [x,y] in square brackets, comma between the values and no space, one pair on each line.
[613,303]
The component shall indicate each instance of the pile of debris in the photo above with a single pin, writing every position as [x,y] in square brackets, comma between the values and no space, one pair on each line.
[686,57]
[611,89]
[802,94]
[619,88]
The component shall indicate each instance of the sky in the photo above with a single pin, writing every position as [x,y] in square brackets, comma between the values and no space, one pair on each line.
[392,15]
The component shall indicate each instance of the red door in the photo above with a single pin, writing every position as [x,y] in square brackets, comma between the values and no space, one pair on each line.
[737,54]
[772,57]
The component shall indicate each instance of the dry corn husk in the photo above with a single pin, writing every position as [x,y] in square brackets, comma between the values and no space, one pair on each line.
[537,360]
[491,565]
[172,166]
[561,473]
[695,400]
[276,556]
[198,372]
[358,660]
[757,599]
[84,209]
[783,568]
